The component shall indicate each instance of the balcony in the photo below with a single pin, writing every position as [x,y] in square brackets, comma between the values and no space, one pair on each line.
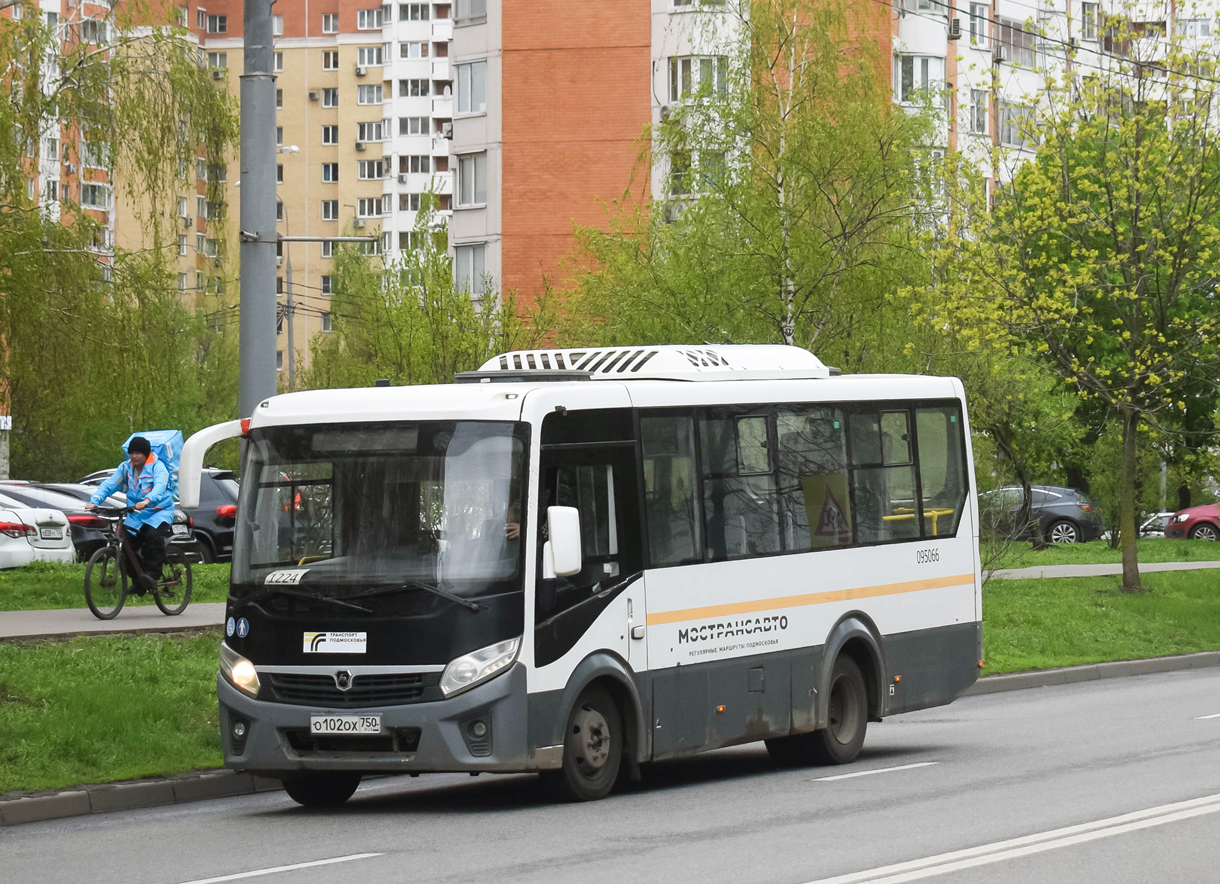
[440,70]
[442,30]
[443,108]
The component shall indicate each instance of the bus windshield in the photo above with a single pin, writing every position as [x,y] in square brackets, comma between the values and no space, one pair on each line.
[354,507]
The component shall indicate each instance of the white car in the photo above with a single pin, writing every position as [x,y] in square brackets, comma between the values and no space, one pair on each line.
[33,535]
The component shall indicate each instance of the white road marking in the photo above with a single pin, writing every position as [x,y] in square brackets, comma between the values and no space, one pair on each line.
[1206,717]
[1029,844]
[869,773]
[257,872]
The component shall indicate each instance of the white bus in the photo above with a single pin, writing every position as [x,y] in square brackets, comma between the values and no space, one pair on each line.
[577,561]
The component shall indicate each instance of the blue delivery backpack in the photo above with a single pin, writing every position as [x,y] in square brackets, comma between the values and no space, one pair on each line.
[167,446]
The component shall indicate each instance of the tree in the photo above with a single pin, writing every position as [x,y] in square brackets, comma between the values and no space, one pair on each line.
[787,182]
[1099,256]
[407,321]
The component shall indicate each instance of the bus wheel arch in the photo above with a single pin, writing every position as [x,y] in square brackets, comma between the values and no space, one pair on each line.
[856,636]
[614,676]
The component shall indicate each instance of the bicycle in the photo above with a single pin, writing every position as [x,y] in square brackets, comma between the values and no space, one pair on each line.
[108,570]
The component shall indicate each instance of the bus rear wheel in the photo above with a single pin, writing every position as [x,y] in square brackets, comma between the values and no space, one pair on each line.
[321,789]
[842,738]
[592,749]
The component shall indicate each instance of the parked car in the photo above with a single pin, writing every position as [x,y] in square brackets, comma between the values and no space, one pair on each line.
[1155,525]
[212,521]
[1065,515]
[183,536]
[33,534]
[1195,523]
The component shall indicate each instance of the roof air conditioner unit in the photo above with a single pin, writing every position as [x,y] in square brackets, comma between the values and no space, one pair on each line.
[999,54]
[313,95]
[218,74]
[359,145]
[188,222]
[361,70]
[955,29]
[358,223]
[402,178]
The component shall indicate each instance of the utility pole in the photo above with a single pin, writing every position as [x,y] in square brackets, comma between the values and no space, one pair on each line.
[289,310]
[258,229]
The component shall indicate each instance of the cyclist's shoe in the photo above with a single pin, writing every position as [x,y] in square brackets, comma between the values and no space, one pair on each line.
[146,585]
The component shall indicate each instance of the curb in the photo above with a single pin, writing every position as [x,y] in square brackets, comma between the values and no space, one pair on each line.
[1018,681]
[228,783]
[133,795]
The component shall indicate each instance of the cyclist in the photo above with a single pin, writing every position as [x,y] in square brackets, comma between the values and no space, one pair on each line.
[146,481]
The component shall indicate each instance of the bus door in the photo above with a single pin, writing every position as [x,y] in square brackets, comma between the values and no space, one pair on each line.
[602,607]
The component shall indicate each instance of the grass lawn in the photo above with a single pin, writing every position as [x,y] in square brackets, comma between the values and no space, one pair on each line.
[1040,624]
[1098,552]
[92,710]
[42,585]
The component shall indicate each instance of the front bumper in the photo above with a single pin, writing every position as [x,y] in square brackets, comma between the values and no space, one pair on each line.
[427,737]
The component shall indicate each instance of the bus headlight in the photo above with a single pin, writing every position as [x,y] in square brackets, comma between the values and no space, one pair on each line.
[239,671]
[478,666]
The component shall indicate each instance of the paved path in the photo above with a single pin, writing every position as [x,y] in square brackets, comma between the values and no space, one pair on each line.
[1096,570]
[144,618]
[1108,782]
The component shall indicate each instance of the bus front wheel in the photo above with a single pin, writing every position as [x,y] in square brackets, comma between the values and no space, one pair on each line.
[321,789]
[840,741]
[592,750]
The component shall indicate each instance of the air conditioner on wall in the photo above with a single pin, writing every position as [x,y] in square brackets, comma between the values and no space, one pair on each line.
[313,95]
[188,222]
[359,145]
[999,53]
[361,70]
[358,223]
[955,29]
[402,178]
[218,74]
[70,168]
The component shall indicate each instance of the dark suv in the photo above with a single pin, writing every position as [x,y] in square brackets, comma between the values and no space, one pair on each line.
[1064,514]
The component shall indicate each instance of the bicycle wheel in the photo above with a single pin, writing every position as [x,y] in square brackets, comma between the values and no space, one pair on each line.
[173,592]
[105,584]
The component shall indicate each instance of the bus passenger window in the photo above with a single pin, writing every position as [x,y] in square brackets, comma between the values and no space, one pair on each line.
[813,478]
[740,507]
[669,487]
[883,477]
[942,477]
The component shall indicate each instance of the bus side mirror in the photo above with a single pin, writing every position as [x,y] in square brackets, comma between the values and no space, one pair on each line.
[561,555]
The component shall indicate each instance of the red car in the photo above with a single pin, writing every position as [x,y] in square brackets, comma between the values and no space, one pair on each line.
[1195,523]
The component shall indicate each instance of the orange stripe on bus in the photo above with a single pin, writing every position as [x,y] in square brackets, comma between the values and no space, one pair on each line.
[812,598]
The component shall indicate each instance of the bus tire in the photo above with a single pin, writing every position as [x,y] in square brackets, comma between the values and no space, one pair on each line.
[847,715]
[321,789]
[592,749]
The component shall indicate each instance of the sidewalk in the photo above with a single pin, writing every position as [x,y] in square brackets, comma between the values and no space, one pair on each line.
[1096,570]
[69,621]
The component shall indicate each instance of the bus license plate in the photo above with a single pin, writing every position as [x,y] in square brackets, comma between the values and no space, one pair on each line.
[345,724]
[180,529]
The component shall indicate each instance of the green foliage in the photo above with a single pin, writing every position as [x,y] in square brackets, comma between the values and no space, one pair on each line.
[407,321]
[1099,552]
[42,586]
[98,709]
[788,207]
[97,341]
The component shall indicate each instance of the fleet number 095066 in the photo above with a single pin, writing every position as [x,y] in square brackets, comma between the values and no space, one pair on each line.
[926,556]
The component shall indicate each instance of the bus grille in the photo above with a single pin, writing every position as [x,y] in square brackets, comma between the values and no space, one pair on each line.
[386,689]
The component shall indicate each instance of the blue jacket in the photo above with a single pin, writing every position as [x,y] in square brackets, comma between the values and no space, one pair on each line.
[152,484]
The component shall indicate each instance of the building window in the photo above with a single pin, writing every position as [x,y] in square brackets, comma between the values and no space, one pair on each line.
[472,88]
[1014,122]
[279,136]
[369,131]
[409,202]
[413,11]
[328,249]
[279,360]
[1088,21]
[330,134]
[680,177]
[368,56]
[50,149]
[468,267]
[218,24]
[201,18]
[279,173]
[201,206]
[326,290]
[412,125]
[472,179]
[279,98]
[218,59]
[182,282]
[691,75]
[330,210]
[917,77]
[277,26]
[182,207]
[413,50]
[330,98]
[1017,41]
[279,211]
[199,243]
[979,14]
[368,19]
[182,246]
[369,170]
[277,61]
[368,94]
[978,111]
[93,31]
[415,164]
[330,60]
[95,196]
[470,11]
[328,324]
[368,207]
[413,88]
[330,23]
[330,173]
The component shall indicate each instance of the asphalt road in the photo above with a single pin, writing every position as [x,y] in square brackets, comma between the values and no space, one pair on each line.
[1114,781]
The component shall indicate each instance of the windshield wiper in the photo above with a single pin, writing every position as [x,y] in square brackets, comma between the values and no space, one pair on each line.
[297,594]
[427,587]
